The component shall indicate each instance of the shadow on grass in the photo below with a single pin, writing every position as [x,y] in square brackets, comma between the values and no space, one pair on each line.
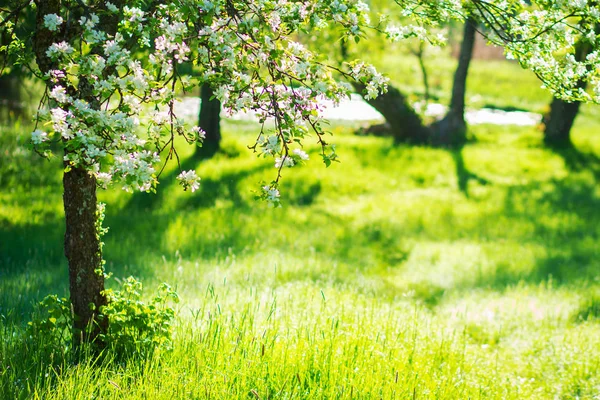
[563,216]
[566,224]
[32,265]
[565,221]
[223,187]
[32,254]
[142,201]
[463,174]
[505,108]
[137,231]
[577,160]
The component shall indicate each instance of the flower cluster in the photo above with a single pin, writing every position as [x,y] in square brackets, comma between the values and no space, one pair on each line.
[189,180]
[52,22]
[558,43]
[271,195]
[115,62]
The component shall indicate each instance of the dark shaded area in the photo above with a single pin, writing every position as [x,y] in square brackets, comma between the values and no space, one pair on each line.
[505,108]
[558,123]
[589,310]
[578,161]
[463,174]
[224,187]
[11,101]
[296,192]
[210,122]
[32,265]
[572,253]
[142,201]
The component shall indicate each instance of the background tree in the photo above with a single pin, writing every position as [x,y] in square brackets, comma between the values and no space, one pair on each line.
[531,37]
[209,121]
[404,123]
[406,126]
[559,120]
[451,130]
[10,97]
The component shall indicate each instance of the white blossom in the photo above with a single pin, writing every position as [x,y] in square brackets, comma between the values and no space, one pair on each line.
[301,154]
[59,94]
[199,132]
[104,179]
[57,50]
[111,7]
[189,180]
[271,195]
[243,59]
[285,161]
[52,22]
[38,136]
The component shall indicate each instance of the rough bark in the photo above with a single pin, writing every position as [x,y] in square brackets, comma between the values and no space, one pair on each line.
[404,123]
[210,122]
[84,253]
[43,38]
[451,130]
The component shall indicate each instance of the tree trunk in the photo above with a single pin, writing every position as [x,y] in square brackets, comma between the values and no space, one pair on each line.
[559,121]
[84,253]
[420,54]
[451,130]
[405,124]
[11,106]
[210,122]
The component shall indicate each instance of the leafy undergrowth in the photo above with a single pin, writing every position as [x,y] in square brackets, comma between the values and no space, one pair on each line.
[403,272]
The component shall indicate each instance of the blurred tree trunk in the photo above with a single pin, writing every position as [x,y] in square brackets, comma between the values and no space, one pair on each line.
[420,54]
[404,123]
[11,106]
[210,122]
[451,130]
[559,121]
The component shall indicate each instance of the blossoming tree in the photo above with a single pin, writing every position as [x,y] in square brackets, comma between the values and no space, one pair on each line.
[112,71]
[104,63]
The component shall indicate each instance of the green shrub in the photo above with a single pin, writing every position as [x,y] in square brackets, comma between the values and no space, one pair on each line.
[135,327]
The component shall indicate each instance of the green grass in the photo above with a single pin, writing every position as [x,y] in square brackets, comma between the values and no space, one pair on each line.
[403,272]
